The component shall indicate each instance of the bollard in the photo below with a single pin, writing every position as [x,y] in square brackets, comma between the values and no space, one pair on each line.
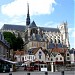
[28,73]
[10,73]
[46,73]
[62,73]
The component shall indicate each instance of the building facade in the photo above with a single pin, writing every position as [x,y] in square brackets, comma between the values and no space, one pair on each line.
[4,47]
[34,36]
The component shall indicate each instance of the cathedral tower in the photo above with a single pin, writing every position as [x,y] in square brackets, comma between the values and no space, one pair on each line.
[28,16]
[64,31]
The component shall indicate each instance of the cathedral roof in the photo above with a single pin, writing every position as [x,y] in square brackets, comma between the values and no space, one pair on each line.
[33,24]
[37,37]
[22,27]
[53,45]
[50,29]
[13,27]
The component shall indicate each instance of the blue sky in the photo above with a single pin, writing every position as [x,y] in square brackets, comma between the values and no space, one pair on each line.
[47,13]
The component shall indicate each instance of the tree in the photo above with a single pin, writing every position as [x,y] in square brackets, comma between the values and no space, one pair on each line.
[15,43]
[10,37]
[19,43]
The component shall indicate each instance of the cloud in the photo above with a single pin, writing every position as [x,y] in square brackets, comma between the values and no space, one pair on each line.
[15,21]
[53,24]
[50,24]
[19,7]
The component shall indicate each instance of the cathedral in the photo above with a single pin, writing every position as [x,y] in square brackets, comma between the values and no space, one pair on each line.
[35,37]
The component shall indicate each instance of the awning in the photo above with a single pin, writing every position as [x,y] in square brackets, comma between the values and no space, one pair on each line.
[5,60]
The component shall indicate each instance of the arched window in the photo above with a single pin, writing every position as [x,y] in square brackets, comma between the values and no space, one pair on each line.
[58,41]
[33,31]
[60,58]
[51,59]
[56,58]
[40,52]
[39,56]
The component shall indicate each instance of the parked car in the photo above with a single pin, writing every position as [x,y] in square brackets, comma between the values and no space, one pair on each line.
[30,68]
[5,68]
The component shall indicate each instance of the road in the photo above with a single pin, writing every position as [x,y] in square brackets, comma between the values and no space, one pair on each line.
[15,73]
[39,73]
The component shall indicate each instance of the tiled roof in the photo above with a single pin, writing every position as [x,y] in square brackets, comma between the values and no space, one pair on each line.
[46,52]
[19,52]
[54,53]
[58,50]
[34,50]
[13,27]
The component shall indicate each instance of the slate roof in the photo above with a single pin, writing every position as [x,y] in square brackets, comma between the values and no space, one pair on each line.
[72,51]
[32,25]
[19,52]
[49,29]
[33,50]
[51,45]
[59,45]
[37,37]
[3,40]
[13,27]
[22,27]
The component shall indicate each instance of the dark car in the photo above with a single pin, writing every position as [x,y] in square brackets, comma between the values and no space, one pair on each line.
[30,68]
[6,68]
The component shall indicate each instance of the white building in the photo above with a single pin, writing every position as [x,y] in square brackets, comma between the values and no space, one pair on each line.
[72,56]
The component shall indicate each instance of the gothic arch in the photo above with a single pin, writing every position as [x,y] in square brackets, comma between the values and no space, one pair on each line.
[34,30]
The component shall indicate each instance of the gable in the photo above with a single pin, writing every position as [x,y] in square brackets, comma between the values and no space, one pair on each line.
[59,55]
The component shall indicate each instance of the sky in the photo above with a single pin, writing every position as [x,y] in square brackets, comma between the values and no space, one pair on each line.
[45,13]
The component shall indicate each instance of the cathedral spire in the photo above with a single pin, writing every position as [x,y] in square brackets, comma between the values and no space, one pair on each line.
[28,16]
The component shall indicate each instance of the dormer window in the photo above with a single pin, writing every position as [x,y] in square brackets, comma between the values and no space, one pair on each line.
[51,59]
[67,54]
[39,56]
[40,53]
[60,58]
[68,58]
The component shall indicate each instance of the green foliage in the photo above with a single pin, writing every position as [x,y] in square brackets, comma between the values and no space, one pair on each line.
[19,43]
[15,43]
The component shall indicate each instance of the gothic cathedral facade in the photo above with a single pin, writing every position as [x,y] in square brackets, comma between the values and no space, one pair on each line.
[34,36]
